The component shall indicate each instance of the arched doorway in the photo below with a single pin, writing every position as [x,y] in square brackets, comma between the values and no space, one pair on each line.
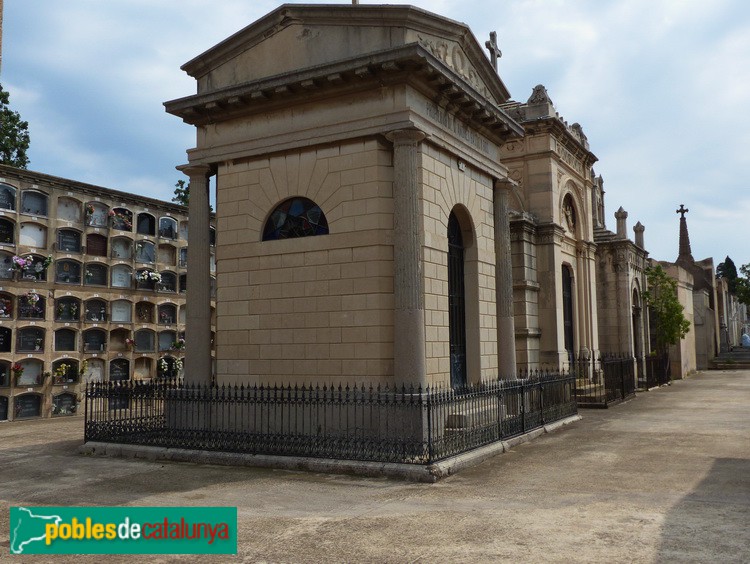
[456,303]
[567,295]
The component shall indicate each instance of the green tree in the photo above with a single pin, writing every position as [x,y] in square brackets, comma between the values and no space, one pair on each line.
[14,135]
[742,285]
[728,270]
[669,322]
[182,194]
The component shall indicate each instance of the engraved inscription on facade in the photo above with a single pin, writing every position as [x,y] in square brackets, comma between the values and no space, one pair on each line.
[460,130]
[567,157]
[453,56]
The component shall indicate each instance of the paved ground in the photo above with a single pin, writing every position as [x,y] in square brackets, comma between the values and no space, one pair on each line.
[662,478]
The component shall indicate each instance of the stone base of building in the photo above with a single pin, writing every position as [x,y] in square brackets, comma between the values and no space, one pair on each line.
[413,472]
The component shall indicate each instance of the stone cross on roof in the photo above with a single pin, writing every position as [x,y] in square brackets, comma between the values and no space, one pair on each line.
[683,210]
[492,47]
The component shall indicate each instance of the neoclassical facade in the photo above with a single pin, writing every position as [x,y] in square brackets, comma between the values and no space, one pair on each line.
[388,214]
[361,199]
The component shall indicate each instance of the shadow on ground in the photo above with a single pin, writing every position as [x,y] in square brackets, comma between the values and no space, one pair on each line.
[697,528]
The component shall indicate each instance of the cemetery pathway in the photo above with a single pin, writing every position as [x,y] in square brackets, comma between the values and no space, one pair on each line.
[664,477]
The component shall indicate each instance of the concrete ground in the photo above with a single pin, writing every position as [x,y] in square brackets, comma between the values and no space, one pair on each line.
[664,477]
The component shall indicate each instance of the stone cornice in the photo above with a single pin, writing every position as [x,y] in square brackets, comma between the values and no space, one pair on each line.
[46,181]
[377,15]
[555,127]
[411,64]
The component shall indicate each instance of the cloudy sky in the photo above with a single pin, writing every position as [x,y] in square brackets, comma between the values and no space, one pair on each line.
[661,88]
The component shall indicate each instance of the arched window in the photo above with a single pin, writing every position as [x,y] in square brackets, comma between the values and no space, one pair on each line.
[95,311]
[30,339]
[31,305]
[7,197]
[145,251]
[121,311]
[96,245]
[121,276]
[168,282]
[68,209]
[94,340]
[6,306]
[144,341]
[295,217]
[146,224]
[68,272]
[33,235]
[168,228]
[65,340]
[67,309]
[64,371]
[34,203]
[167,314]
[122,219]
[7,232]
[122,248]
[96,214]
[96,274]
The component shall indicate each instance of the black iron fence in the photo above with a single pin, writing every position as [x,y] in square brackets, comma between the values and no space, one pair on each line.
[657,372]
[604,381]
[404,424]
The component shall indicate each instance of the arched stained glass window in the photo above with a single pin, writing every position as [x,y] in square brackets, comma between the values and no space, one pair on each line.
[296,217]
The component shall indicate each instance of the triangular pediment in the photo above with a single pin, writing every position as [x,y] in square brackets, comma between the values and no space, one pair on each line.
[295,38]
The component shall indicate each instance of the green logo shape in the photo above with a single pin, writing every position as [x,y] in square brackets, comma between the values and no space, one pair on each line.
[123,530]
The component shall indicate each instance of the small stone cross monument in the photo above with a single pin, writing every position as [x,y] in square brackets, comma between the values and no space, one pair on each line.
[492,47]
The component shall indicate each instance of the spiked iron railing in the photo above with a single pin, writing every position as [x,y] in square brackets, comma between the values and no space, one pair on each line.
[376,423]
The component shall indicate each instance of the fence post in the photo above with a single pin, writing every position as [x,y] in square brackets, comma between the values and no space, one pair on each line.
[426,399]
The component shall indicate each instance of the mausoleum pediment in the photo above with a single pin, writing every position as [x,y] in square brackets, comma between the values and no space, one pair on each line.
[295,38]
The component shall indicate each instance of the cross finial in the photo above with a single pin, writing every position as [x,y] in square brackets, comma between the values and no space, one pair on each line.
[491,45]
[682,211]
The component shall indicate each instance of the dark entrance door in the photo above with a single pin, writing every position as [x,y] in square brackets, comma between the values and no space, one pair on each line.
[456,303]
[567,291]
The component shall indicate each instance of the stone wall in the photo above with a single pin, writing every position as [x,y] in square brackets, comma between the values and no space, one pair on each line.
[312,309]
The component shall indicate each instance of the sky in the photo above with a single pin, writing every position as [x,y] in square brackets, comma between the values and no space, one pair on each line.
[661,88]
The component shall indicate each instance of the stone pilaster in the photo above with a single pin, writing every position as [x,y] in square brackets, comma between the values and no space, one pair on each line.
[198,315]
[409,330]
[506,349]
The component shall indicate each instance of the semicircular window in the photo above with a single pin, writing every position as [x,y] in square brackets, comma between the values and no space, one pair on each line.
[296,217]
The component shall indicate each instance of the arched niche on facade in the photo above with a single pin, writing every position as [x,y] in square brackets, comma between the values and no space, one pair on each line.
[68,209]
[96,274]
[68,240]
[96,245]
[68,271]
[7,197]
[121,311]
[67,308]
[27,406]
[146,224]
[32,234]
[95,311]
[34,202]
[33,373]
[66,340]
[122,248]
[96,214]
[121,276]
[94,340]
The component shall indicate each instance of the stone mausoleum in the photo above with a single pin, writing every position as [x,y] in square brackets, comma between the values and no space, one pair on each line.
[387,214]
